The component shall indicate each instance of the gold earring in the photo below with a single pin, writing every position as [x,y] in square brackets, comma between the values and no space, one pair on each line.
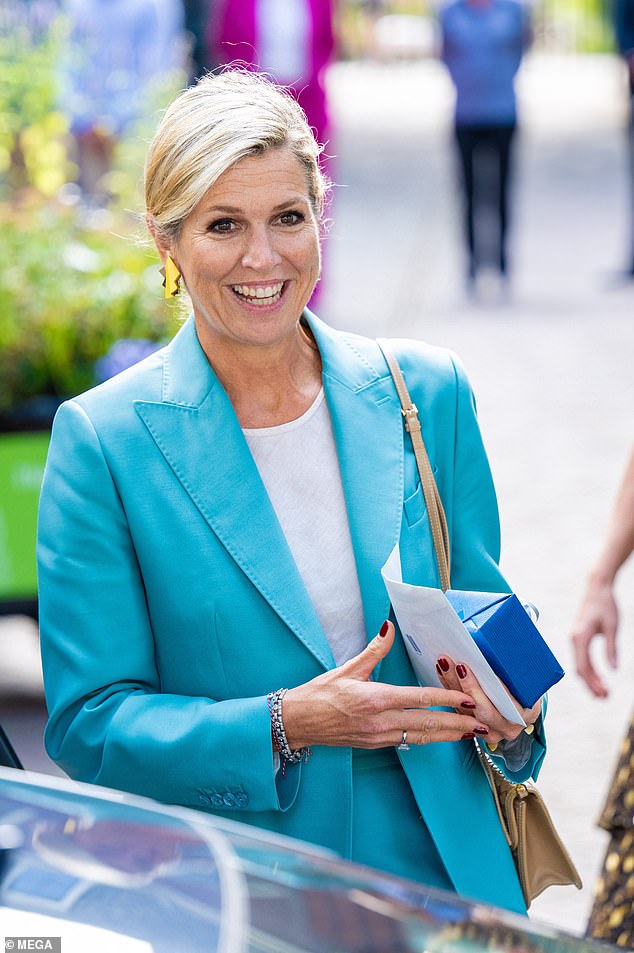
[172,277]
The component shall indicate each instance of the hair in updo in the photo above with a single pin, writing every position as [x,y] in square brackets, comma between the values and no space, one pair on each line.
[211,126]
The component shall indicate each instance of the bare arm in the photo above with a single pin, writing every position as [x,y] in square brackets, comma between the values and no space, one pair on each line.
[598,613]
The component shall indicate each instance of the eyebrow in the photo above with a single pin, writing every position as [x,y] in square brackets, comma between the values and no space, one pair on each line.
[233,210]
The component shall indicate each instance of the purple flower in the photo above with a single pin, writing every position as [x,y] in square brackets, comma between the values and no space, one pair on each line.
[124,353]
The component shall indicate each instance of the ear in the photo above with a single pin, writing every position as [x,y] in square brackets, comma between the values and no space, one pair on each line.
[162,246]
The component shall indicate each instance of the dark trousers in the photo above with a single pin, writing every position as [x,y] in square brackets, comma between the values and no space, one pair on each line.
[485,156]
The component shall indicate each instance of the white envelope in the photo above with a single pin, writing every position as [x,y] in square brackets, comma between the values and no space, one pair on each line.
[431,628]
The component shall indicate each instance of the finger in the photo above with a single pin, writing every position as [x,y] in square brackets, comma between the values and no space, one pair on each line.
[610,648]
[587,671]
[446,671]
[432,726]
[363,664]
[485,711]
[401,698]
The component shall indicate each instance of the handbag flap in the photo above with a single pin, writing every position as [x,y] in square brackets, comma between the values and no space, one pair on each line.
[539,853]
[546,861]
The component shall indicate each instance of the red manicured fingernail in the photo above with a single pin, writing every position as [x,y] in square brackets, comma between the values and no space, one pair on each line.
[444,663]
[440,671]
[467,734]
[481,731]
[383,630]
[467,704]
[461,670]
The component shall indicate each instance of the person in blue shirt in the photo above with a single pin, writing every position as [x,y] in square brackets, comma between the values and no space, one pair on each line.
[118,52]
[483,42]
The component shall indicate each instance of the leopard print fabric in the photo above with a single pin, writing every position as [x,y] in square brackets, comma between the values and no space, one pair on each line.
[612,916]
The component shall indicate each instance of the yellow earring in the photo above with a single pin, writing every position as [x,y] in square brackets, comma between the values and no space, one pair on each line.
[172,278]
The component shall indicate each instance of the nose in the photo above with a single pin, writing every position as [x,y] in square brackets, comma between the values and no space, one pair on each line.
[260,253]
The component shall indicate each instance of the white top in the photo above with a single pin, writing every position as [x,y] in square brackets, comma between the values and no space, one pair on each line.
[299,467]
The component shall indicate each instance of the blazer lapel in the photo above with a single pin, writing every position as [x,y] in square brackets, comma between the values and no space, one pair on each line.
[369,436]
[198,434]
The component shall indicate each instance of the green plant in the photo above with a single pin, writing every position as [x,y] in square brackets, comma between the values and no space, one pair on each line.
[70,284]
[68,293]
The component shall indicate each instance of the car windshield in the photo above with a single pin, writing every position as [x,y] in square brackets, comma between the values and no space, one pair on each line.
[93,870]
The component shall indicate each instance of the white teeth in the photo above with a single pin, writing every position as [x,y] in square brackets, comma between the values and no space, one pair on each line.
[260,293]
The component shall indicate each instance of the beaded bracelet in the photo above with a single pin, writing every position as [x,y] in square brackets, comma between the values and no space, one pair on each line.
[274,701]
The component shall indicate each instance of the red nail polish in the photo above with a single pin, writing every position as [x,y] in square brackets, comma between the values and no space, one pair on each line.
[467,704]
[383,630]
[481,731]
[467,734]
[461,670]
[444,663]
[440,671]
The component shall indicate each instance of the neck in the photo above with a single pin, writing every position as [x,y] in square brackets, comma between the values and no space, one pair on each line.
[268,386]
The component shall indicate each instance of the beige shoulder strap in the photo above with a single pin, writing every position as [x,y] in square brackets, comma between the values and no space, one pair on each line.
[435,511]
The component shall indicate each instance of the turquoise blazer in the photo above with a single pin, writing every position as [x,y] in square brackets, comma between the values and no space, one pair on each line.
[170,604]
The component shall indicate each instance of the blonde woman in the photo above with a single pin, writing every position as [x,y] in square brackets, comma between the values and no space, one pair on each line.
[214,521]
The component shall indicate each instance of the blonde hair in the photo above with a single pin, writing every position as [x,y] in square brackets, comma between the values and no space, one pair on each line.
[211,126]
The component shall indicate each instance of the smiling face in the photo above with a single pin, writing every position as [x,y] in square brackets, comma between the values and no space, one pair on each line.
[249,253]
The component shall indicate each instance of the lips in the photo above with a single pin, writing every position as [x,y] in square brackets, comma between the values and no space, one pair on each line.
[259,295]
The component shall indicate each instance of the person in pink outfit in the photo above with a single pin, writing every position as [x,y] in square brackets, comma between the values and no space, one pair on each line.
[291,40]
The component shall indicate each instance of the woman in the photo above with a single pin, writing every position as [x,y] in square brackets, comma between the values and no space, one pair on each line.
[214,521]
[612,914]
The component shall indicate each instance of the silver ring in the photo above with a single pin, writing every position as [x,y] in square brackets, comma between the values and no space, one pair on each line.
[403,745]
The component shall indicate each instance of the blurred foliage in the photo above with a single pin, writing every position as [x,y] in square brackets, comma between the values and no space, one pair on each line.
[32,131]
[74,280]
[68,293]
[580,26]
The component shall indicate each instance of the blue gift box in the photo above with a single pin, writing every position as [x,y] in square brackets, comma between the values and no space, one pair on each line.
[509,641]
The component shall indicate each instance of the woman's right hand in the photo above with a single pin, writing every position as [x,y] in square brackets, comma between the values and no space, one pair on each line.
[597,616]
[344,707]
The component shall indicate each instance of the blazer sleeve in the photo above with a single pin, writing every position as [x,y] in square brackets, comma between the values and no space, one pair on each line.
[109,722]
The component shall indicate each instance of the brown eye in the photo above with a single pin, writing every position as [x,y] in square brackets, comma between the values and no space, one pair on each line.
[291,218]
[222,226]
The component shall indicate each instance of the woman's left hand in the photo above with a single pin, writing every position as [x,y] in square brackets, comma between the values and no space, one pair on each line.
[459,677]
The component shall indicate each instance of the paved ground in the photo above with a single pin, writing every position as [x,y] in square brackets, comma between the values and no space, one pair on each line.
[551,365]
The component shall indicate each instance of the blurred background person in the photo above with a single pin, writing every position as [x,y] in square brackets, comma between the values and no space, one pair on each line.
[291,40]
[117,51]
[199,18]
[612,915]
[482,44]
[624,34]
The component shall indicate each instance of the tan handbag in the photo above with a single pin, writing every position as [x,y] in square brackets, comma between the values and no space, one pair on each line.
[539,854]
